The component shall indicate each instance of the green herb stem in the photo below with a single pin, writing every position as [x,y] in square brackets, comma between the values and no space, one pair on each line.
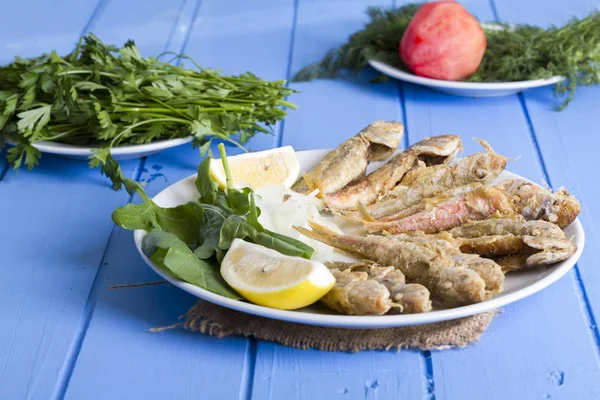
[223,154]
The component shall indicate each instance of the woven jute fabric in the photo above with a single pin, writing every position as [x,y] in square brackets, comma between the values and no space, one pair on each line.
[221,322]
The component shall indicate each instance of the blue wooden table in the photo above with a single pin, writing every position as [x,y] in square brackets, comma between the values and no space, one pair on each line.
[64,334]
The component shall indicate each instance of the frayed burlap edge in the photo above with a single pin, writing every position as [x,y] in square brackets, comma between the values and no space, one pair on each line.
[221,322]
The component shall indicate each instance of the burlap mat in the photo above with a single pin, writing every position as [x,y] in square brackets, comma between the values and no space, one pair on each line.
[221,322]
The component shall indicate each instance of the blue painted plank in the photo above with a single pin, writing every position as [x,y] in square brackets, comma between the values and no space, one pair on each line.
[523,354]
[566,141]
[53,238]
[29,28]
[281,372]
[184,364]
[328,113]
[496,366]
[256,38]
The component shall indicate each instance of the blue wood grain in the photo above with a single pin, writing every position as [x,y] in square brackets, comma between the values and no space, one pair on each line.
[30,27]
[522,355]
[531,326]
[50,254]
[566,143]
[328,113]
[59,317]
[59,227]
[176,364]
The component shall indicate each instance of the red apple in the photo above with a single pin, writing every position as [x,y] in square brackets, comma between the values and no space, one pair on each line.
[443,41]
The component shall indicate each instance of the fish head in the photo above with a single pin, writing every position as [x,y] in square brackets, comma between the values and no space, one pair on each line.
[483,167]
[563,208]
[384,137]
[438,149]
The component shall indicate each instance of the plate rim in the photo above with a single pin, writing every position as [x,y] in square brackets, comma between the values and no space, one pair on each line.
[366,322]
[50,147]
[394,72]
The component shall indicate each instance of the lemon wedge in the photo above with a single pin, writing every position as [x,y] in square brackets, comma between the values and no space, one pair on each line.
[269,278]
[270,167]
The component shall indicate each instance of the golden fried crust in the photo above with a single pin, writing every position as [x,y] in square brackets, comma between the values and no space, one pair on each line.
[349,160]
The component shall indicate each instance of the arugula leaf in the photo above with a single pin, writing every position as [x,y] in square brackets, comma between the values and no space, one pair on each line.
[190,240]
[308,251]
[111,168]
[185,221]
[210,231]
[177,258]
[238,200]
[253,214]
[236,226]
[204,183]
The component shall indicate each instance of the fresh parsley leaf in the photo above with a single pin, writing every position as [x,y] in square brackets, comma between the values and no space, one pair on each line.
[34,119]
[23,152]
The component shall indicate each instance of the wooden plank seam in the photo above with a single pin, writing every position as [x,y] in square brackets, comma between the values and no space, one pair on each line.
[278,140]
[247,384]
[427,378]
[575,273]
[66,370]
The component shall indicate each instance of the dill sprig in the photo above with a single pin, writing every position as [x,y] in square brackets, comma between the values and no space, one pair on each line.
[513,53]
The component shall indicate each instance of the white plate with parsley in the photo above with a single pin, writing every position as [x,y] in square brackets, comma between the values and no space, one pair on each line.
[118,153]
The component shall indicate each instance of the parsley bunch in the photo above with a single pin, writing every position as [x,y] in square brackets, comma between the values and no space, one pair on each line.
[103,96]
[513,53]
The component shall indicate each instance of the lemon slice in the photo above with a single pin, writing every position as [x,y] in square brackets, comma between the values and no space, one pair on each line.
[269,278]
[270,167]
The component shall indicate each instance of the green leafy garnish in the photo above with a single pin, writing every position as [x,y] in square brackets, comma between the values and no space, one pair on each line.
[237,227]
[103,96]
[191,239]
[177,257]
[513,53]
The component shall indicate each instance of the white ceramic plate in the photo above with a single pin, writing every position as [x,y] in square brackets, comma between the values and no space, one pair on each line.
[517,285]
[468,89]
[118,153]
